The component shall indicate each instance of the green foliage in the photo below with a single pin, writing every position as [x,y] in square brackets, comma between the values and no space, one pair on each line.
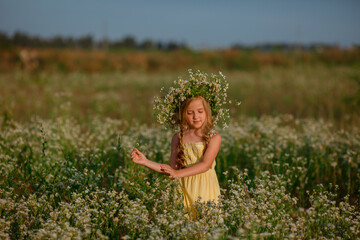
[280,178]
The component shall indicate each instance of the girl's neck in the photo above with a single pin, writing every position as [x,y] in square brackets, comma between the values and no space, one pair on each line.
[192,135]
[194,131]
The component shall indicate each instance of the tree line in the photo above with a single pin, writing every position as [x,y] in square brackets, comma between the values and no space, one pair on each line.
[86,42]
[21,39]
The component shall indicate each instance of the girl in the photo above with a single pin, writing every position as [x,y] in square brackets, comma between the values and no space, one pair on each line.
[193,154]
[195,146]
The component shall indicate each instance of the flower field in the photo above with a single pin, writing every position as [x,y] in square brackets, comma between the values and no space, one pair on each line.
[281,177]
[288,165]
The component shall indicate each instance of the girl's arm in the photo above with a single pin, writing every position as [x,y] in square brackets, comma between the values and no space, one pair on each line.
[203,166]
[139,158]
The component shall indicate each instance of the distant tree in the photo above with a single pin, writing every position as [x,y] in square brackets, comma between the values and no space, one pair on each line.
[148,45]
[85,42]
[172,46]
[237,46]
[20,39]
[183,46]
[70,42]
[58,42]
[104,44]
[4,37]
[160,45]
[5,41]
[129,42]
[116,44]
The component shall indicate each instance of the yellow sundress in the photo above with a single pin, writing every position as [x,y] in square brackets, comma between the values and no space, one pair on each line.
[205,185]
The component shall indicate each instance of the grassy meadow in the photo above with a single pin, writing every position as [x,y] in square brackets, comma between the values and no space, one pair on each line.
[288,166]
[304,91]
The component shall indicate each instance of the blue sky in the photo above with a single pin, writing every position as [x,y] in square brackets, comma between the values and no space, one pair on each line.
[199,23]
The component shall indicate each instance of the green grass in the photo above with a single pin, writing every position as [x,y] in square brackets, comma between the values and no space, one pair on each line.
[288,165]
[305,91]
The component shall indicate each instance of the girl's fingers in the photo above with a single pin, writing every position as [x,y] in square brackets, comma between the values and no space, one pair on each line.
[135,153]
[165,170]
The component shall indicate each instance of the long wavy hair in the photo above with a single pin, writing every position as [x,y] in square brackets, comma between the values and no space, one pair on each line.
[205,128]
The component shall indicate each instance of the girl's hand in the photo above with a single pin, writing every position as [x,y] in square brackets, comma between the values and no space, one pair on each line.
[169,170]
[137,157]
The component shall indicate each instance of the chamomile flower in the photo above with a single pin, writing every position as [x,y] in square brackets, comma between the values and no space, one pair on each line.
[211,87]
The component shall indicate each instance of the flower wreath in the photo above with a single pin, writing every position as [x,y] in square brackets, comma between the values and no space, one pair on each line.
[211,87]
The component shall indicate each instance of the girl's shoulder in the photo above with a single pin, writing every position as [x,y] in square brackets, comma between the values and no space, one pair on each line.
[213,133]
[176,135]
[215,137]
[214,142]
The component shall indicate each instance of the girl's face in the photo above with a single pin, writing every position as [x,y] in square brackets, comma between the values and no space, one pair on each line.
[195,114]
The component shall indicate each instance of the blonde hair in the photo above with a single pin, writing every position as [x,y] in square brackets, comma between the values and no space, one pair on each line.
[205,128]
